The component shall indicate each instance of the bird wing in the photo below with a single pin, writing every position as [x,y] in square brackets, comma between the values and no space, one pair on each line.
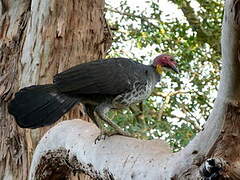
[111,77]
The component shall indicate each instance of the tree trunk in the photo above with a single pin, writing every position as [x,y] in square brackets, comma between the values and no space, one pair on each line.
[39,39]
[212,154]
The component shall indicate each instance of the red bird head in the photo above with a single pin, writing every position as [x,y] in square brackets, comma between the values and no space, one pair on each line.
[165,61]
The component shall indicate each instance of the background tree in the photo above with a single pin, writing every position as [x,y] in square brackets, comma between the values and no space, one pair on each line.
[214,152]
[181,104]
[39,39]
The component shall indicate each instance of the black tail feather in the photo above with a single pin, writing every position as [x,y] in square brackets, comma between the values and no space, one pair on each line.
[38,106]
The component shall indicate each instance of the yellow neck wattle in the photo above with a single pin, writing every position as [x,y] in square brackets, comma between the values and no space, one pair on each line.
[159,69]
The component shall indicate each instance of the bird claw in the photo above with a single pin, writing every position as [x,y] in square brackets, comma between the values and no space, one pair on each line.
[105,134]
[100,137]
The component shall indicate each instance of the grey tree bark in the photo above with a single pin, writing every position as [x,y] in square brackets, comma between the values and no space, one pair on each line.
[127,158]
[37,40]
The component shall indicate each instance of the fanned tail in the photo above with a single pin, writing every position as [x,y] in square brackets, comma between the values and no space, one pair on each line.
[38,106]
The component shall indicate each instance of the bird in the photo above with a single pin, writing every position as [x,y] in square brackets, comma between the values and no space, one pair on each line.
[100,86]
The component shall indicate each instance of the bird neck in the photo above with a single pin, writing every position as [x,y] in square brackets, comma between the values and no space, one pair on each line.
[156,76]
[159,69]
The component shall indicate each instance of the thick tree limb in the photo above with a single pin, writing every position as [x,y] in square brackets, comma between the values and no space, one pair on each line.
[70,145]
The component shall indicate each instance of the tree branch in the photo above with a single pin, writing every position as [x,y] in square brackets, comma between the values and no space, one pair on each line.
[188,120]
[202,35]
[76,151]
[141,17]
[192,19]
[173,93]
[185,110]
[217,146]
[162,108]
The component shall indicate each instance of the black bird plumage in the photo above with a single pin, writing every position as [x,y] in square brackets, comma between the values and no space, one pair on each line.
[99,85]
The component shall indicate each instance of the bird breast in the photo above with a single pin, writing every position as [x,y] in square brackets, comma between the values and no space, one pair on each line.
[139,93]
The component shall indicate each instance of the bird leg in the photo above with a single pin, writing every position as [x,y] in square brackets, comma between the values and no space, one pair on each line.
[101,112]
[104,133]
[98,123]
[89,109]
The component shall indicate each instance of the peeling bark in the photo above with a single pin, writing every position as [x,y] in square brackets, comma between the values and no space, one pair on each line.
[213,153]
[37,40]
[13,157]
[66,166]
[226,146]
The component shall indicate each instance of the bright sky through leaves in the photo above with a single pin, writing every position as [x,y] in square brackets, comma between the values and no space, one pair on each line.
[191,33]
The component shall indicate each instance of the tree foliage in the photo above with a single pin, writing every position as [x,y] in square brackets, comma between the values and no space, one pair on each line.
[178,107]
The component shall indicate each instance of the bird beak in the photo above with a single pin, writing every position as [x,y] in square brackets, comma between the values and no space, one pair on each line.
[175,69]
